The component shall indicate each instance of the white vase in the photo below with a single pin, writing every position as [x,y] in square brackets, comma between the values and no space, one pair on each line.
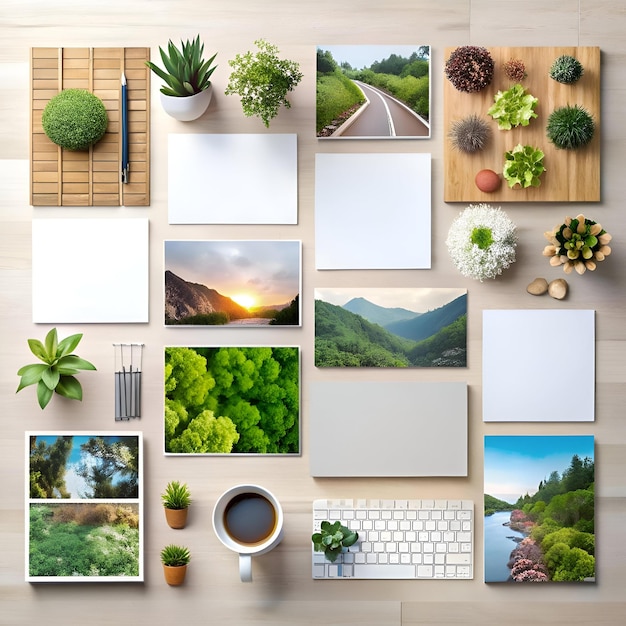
[187,108]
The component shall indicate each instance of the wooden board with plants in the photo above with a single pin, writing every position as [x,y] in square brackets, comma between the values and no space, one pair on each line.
[91,176]
[500,106]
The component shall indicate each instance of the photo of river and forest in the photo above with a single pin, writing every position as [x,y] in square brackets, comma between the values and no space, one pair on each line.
[539,509]
[390,327]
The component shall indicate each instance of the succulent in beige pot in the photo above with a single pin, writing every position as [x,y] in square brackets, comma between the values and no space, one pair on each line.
[176,500]
[175,560]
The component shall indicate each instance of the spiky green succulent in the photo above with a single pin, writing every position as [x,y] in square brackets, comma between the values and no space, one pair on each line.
[175,556]
[566,69]
[570,127]
[187,72]
[57,372]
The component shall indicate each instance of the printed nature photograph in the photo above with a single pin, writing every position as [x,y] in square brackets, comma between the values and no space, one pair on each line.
[232,283]
[374,92]
[232,400]
[83,466]
[539,509]
[390,327]
[83,521]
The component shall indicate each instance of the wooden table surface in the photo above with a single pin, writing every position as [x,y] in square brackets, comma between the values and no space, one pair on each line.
[283,591]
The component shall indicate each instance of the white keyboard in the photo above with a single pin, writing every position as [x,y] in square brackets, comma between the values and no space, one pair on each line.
[400,539]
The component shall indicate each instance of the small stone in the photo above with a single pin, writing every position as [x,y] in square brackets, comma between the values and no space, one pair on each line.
[558,288]
[538,287]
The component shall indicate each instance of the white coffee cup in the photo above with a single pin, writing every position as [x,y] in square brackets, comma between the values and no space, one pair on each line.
[248,519]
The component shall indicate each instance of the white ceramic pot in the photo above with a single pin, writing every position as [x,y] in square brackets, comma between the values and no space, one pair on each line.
[187,108]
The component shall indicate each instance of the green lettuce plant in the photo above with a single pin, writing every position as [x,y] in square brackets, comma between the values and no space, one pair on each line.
[187,71]
[513,107]
[262,80]
[523,166]
[332,539]
[57,372]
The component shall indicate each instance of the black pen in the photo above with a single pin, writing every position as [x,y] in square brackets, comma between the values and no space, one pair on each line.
[125,164]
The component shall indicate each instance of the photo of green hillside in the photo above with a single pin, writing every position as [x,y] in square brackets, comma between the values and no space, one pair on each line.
[387,327]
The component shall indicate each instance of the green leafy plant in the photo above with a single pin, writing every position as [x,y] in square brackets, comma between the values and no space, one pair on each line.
[570,127]
[566,69]
[187,71]
[57,372]
[175,556]
[332,539]
[262,80]
[513,107]
[75,119]
[523,166]
[176,495]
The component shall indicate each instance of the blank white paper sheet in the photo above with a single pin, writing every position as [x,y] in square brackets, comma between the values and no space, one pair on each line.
[232,179]
[372,211]
[90,270]
[538,366]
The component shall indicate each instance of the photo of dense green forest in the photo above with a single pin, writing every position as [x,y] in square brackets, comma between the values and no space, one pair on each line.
[390,327]
[232,400]
[547,533]
[84,540]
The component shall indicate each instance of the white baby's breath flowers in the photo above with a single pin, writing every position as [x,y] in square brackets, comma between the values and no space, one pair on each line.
[482,241]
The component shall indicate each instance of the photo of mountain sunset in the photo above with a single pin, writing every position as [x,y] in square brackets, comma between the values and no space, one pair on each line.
[232,283]
[390,327]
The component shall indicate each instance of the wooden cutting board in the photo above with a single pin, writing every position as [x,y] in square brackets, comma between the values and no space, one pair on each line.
[571,175]
[92,177]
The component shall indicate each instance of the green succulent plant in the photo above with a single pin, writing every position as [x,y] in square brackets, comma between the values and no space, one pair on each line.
[332,539]
[262,80]
[75,119]
[566,69]
[570,127]
[176,495]
[187,72]
[57,372]
[175,556]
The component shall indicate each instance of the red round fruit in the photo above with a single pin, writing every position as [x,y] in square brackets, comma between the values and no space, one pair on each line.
[487,181]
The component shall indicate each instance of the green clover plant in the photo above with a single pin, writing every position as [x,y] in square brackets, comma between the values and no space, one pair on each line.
[332,539]
[57,372]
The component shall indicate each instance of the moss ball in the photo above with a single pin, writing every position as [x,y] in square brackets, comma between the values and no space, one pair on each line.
[75,119]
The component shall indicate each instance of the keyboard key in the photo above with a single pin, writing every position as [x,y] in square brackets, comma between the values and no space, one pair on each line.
[389,571]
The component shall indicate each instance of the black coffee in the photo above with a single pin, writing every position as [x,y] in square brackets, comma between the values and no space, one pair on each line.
[249,518]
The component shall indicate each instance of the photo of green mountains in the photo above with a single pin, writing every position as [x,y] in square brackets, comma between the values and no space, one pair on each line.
[390,327]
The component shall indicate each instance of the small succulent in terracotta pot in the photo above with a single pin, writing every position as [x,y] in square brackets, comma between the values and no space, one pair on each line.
[577,244]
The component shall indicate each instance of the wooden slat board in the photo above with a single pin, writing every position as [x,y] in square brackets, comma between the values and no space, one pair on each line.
[571,175]
[93,177]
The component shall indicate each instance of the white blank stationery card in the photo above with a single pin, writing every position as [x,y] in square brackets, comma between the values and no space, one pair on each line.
[538,366]
[233,179]
[372,211]
[90,270]
[388,428]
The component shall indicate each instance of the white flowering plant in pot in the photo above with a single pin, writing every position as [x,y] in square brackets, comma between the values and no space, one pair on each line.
[482,241]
